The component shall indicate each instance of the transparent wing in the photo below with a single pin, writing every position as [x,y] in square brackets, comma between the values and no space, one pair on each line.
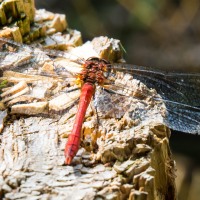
[135,110]
[36,77]
[179,91]
[179,87]
[110,104]
[31,60]
[182,117]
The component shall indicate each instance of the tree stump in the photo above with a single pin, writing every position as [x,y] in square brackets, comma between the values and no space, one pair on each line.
[118,158]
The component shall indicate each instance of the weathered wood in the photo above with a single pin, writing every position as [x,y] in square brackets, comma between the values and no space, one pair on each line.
[119,159]
[18,16]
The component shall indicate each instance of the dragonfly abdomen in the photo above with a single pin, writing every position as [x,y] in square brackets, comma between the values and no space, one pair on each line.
[73,142]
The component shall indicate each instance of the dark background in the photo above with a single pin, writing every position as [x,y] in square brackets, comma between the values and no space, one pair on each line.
[154,32]
[157,33]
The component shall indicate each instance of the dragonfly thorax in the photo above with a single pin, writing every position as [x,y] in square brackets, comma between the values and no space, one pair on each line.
[94,71]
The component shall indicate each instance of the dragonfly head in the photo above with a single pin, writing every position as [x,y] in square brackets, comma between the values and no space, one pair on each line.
[95,70]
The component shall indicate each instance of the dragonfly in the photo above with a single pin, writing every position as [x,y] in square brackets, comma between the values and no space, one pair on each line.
[111,88]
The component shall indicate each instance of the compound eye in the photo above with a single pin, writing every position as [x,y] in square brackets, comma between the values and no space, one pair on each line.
[105,61]
[93,59]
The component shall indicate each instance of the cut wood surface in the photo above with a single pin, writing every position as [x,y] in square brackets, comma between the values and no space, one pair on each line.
[123,158]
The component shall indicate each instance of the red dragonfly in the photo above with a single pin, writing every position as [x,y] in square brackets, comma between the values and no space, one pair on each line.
[179,91]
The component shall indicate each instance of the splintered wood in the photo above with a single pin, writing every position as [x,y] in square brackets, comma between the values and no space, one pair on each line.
[118,158]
